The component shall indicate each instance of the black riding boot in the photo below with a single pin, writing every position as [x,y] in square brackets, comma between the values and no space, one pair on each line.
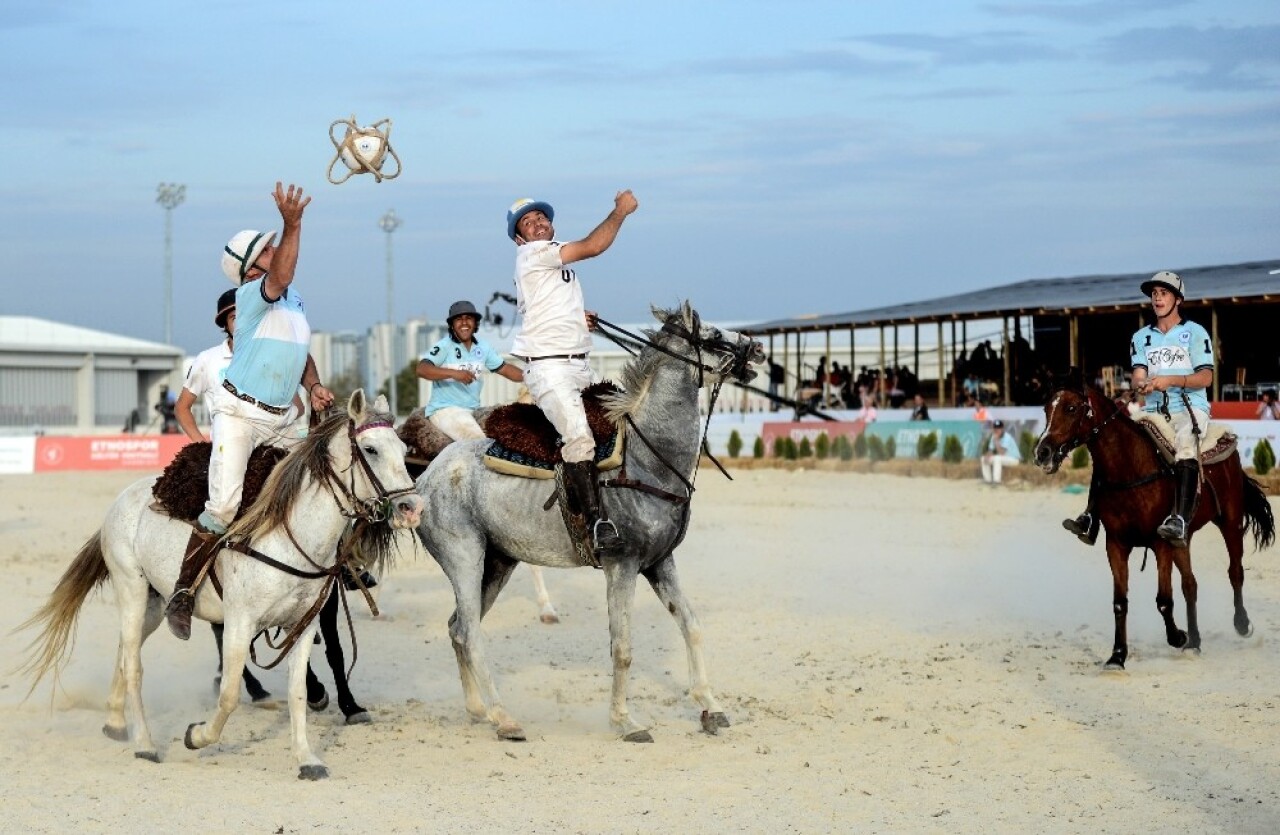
[1176,528]
[1085,526]
[581,489]
[200,547]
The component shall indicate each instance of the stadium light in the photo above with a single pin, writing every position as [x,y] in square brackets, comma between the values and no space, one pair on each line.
[389,223]
[169,196]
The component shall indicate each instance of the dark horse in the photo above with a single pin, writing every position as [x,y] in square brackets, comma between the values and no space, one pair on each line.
[1133,491]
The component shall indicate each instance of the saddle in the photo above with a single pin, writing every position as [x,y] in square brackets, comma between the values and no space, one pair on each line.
[183,487]
[525,443]
[1217,443]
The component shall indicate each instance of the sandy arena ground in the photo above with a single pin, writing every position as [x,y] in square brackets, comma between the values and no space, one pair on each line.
[896,655]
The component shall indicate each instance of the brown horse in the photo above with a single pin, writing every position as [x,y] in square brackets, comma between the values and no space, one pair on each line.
[1133,491]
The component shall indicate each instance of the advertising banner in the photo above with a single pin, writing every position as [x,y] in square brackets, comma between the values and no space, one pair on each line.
[107,452]
[811,429]
[17,455]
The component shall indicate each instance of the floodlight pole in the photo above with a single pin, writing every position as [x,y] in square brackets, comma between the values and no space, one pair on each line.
[390,223]
[169,196]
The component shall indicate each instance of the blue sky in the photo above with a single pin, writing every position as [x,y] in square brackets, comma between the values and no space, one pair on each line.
[789,158]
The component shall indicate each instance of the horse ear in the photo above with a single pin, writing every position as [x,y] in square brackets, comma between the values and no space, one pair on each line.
[356,405]
[381,406]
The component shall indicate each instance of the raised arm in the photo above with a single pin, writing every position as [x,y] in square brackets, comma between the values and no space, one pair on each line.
[603,236]
[284,262]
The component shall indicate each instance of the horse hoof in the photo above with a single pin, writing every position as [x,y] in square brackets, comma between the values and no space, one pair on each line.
[1178,639]
[638,736]
[186,738]
[149,756]
[549,617]
[319,704]
[1113,666]
[118,734]
[313,772]
[512,733]
[1188,652]
[360,718]
[709,725]
[721,720]
[1246,632]
[260,697]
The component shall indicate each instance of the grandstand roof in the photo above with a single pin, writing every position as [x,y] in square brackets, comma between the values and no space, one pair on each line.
[1040,296]
[27,333]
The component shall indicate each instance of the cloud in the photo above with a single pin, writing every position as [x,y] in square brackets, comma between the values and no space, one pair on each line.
[1094,12]
[970,49]
[1216,57]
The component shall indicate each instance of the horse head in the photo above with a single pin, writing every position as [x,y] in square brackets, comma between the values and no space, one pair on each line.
[379,480]
[1070,418]
[719,353]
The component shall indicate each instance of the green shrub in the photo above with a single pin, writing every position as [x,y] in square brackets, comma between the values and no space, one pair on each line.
[926,446]
[860,445]
[1080,458]
[1027,445]
[735,444]
[757,449]
[843,448]
[780,447]
[1264,457]
[806,450]
[875,448]
[822,446]
[789,448]
[952,450]
[890,447]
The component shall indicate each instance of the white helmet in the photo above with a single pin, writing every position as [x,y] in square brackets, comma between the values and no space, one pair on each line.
[240,253]
[1171,281]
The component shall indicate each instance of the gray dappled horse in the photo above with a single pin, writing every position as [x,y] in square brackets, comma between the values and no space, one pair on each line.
[479,525]
[352,465]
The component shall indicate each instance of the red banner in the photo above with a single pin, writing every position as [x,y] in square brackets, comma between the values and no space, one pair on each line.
[107,452]
[810,429]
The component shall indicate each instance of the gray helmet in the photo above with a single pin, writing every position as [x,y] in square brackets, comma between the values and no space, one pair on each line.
[463,308]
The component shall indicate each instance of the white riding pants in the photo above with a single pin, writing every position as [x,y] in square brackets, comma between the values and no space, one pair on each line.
[993,467]
[556,386]
[235,429]
[1184,440]
[456,422]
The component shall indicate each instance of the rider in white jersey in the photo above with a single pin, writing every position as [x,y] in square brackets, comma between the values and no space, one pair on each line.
[554,341]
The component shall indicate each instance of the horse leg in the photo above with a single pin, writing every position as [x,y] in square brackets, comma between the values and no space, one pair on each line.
[237,635]
[470,686]
[666,584]
[254,687]
[547,612]
[1232,527]
[1190,593]
[354,713]
[1164,594]
[1118,557]
[140,614]
[310,767]
[473,600]
[620,583]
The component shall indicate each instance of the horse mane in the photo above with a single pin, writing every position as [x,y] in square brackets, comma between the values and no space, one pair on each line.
[637,375]
[308,460]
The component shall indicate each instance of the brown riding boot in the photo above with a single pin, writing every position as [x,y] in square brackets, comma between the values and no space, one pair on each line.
[200,547]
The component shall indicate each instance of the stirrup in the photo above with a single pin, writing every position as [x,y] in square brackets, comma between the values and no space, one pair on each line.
[604,535]
[1173,529]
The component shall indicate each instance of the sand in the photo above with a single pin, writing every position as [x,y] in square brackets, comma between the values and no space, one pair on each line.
[896,655]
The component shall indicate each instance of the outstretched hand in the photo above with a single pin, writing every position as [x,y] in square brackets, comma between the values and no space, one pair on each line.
[291,203]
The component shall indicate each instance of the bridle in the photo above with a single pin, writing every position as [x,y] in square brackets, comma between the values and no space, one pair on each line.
[1061,452]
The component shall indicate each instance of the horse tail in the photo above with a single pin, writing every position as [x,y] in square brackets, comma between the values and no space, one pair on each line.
[1258,517]
[57,617]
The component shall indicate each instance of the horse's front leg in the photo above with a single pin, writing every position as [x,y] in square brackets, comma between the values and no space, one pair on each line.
[236,636]
[546,612]
[1190,593]
[666,584]
[1164,594]
[620,581]
[1118,556]
[310,766]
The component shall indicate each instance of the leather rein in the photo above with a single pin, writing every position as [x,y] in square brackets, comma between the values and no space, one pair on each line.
[1088,439]
[362,513]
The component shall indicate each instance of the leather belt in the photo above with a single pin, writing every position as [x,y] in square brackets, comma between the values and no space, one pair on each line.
[271,410]
[552,357]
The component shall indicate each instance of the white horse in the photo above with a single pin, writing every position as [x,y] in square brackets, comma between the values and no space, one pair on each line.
[479,525]
[351,466]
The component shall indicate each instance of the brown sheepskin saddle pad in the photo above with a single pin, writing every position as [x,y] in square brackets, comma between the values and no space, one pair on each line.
[526,444]
[183,488]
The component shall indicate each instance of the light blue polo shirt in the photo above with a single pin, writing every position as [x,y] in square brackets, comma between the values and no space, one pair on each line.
[450,354]
[1185,349]
[272,342]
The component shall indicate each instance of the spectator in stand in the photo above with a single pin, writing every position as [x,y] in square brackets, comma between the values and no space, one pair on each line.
[1268,409]
[920,411]
[867,414]
[979,410]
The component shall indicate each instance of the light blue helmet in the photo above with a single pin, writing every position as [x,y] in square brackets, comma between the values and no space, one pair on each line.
[522,207]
